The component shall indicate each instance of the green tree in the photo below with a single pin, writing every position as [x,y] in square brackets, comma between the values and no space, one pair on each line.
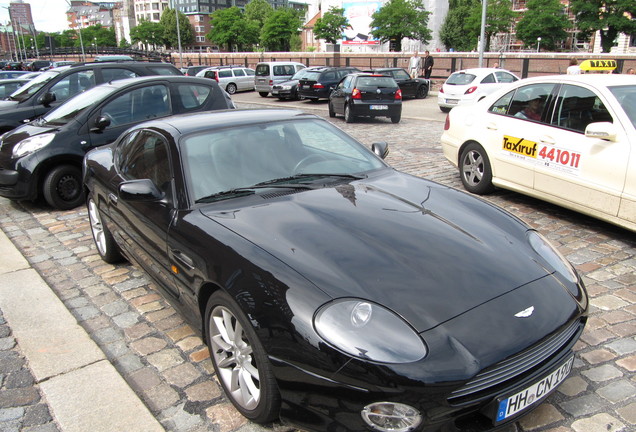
[452,33]
[499,19]
[147,33]
[609,17]
[231,28]
[258,10]
[277,31]
[331,25]
[545,19]
[398,19]
[168,23]
[99,35]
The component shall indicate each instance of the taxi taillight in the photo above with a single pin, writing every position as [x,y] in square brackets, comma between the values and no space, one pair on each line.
[447,122]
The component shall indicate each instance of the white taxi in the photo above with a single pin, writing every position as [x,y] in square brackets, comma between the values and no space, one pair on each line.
[567,139]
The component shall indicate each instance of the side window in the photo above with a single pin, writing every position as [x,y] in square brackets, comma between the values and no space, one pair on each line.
[249,72]
[164,70]
[111,74]
[146,157]
[73,84]
[138,105]
[347,82]
[238,72]
[488,79]
[225,73]
[328,76]
[505,77]
[210,74]
[299,67]
[192,96]
[577,107]
[502,104]
[529,101]
[400,74]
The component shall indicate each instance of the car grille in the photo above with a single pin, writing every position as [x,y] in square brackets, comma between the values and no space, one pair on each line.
[514,366]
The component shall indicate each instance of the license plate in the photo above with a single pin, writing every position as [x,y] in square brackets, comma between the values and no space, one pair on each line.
[307,86]
[378,107]
[533,394]
[452,101]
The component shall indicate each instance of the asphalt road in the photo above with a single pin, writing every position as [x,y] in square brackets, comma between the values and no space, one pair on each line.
[168,366]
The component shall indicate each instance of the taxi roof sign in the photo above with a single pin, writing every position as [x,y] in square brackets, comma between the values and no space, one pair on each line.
[598,65]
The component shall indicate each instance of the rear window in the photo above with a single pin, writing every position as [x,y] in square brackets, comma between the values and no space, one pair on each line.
[364,82]
[262,70]
[460,79]
[165,70]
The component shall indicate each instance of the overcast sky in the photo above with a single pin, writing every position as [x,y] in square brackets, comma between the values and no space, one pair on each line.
[48,15]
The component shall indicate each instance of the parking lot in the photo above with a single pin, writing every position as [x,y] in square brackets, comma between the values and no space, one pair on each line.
[168,366]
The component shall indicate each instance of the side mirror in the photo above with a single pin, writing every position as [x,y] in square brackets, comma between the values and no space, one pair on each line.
[101,123]
[601,130]
[143,190]
[381,149]
[47,98]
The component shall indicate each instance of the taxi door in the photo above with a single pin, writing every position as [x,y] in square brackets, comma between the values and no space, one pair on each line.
[585,172]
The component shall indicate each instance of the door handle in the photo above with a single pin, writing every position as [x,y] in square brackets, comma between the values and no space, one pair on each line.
[491,126]
[547,140]
[112,198]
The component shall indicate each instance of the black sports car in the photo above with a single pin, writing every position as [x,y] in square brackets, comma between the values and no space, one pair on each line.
[333,291]
[411,87]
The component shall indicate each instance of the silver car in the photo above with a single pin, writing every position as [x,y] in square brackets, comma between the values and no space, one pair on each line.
[230,78]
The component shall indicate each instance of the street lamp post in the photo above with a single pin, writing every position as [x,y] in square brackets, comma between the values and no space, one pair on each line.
[538,43]
[95,44]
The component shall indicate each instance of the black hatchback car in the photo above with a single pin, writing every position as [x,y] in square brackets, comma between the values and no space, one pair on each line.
[44,157]
[51,88]
[318,83]
[411,87]
[366,95]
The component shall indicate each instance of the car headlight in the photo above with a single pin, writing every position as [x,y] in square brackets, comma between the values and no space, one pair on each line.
[32,144]
[285,87]
[552,256]
[368,331]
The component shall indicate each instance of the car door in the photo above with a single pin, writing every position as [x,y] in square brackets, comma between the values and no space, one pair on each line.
[338,96]
[127,108]
[407,84]
[65,88]
[512,142]
[239,78]
[143,224]
[580,169]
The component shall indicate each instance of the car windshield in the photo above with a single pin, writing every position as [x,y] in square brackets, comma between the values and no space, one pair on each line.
[74,106]
[460,79]
[369,81]
[32,87]
[289,154]
[626,96]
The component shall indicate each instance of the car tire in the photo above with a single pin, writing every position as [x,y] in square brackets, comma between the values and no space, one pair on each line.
[444,109]
[230,88]
[422,92]
[396,118]
[475,170]
[263,94]
[236,352]
[62,187]
[104,241]
[332,113]
[348,115]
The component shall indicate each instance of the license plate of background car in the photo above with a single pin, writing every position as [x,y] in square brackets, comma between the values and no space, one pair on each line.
[452,101]
[535,393]
[379,107]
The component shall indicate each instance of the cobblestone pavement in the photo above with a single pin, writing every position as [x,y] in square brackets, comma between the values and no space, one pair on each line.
[168,366]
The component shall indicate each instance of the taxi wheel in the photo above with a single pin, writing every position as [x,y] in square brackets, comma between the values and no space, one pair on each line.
[475,170]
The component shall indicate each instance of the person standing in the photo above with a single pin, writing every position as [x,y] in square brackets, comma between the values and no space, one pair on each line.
[574,68]
[428,65]
[415,64]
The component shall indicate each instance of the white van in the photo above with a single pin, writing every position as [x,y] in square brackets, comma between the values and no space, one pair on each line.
[270,73]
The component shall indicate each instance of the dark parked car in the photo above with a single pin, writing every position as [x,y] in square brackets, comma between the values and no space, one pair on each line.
[333,291]
[366,95]
[193,70]
[411,87]
[51,88]
[10,74]
[319,82]
[39,65]
[8,86]
[44,157]
[289,89]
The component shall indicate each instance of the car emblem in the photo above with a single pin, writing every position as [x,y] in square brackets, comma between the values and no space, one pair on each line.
[378,91]
[525,313]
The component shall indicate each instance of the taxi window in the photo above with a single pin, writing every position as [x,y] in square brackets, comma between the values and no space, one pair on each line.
[626,96]
[576,107]
[529,102]
[502,104]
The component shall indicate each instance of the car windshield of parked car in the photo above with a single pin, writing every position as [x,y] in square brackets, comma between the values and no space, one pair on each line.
[73,107]
[626,96]
[32,87]
[279,154]
[375,82]
[460,79]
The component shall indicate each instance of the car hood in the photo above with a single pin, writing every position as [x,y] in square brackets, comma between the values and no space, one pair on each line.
[426,251]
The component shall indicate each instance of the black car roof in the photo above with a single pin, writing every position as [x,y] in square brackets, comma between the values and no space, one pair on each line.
[171,78]
[193,122]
